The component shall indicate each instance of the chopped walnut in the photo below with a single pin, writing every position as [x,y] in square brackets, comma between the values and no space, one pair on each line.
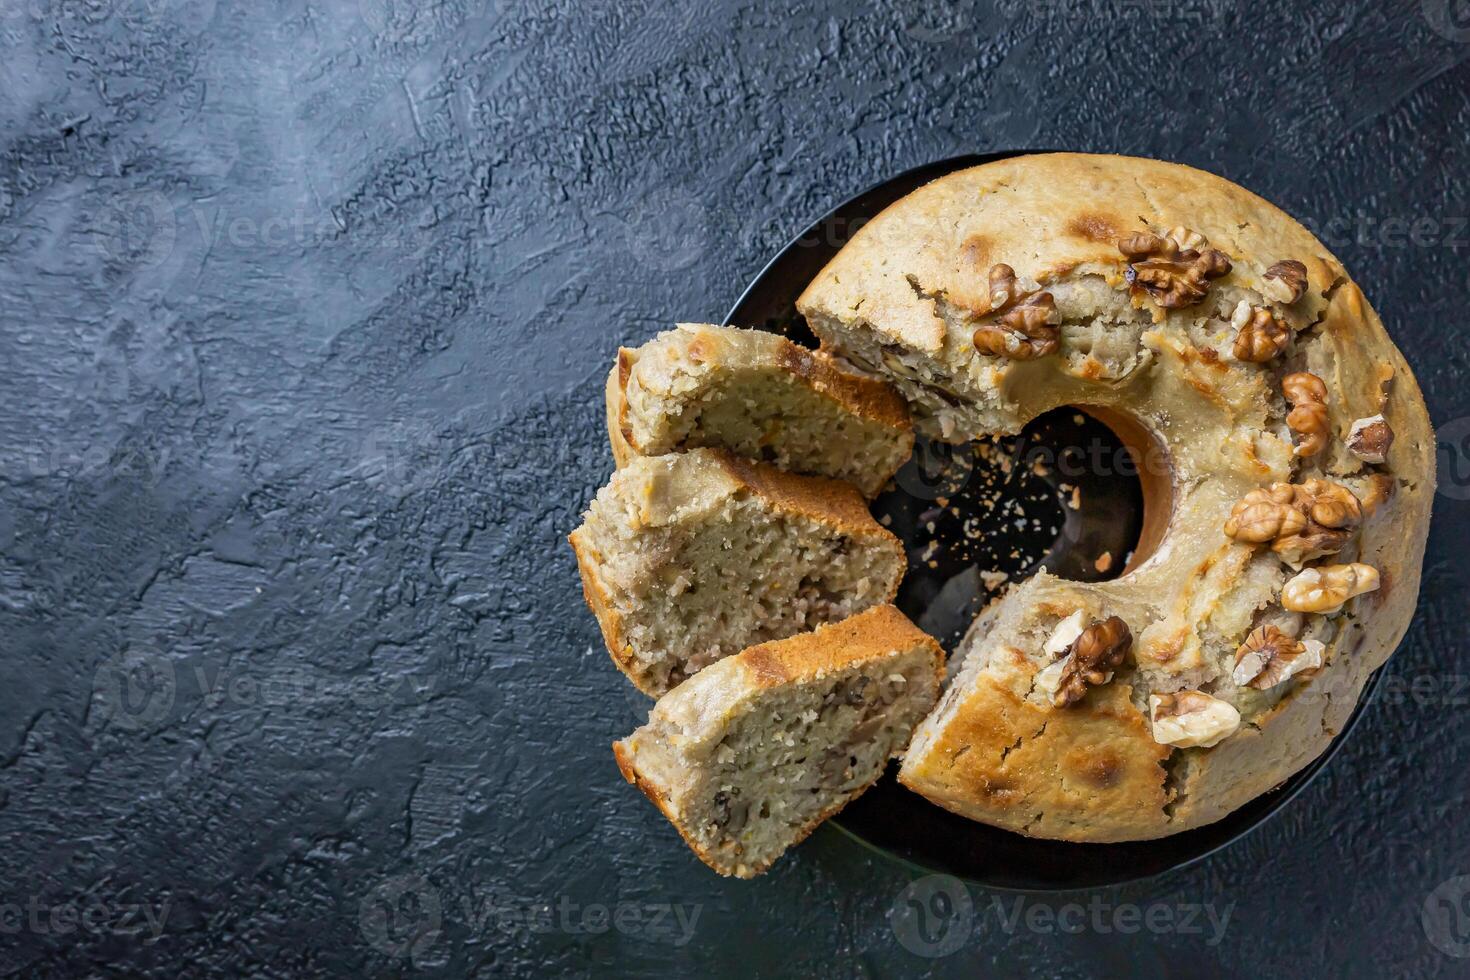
[1285,282]
[1370,439]
[1056,648]
[1027,331]
[1144,244]
[1192,719]
[1302,521]
[1331,505]
[1264,515]
[1188,241]
[1065,634]
[1175,270]
[1008,289]
[1002,286]
[1308,416]
[1260,335]
[1269,657]
[1095,654]
[1049,678]
[1325,588]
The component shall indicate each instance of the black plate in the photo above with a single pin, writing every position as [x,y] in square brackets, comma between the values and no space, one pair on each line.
[940,507]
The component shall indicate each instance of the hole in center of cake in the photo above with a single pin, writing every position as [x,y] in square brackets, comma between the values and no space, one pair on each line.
[1076,492]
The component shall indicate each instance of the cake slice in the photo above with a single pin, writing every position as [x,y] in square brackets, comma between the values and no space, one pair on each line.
[760,396]
[691,557]
[749,755]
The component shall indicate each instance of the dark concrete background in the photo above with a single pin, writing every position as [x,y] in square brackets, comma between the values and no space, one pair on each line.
[305,311]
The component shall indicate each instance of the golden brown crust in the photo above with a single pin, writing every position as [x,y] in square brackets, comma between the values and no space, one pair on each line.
[868,636]
[1013,764]
[650,788]
[870,633]
[619,433]
[830,501]
[598,599]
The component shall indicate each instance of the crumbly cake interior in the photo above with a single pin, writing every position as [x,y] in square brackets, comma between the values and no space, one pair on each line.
[693,593]
[948,403]
[757,784]
[771,417]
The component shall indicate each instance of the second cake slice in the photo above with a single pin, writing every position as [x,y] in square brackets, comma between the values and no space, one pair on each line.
[689,558]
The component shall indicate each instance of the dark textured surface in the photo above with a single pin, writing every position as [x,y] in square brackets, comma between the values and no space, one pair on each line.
[305,308]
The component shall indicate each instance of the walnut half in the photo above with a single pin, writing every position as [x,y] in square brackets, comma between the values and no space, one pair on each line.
[1260,335]
[1094,655]
[1325,588]
[1308,416]
[1192,719]
[1301,521]
[1268,657]
[1027,329]
[1004,287]
[1175,269]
